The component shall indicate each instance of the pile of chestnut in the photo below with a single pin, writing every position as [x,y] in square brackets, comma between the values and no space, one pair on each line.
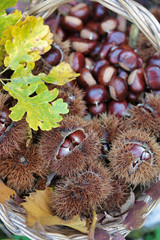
[111,72]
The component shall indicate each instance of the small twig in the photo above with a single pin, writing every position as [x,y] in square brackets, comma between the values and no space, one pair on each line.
[4,70]
[93,226]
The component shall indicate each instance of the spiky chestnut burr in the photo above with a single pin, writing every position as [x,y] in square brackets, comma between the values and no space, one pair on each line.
[12,134]
[119,195]
[20,171]
[69,147]
[144,47]
[112,124]
[81,194]
[145,115]
[74,96]
[135,157]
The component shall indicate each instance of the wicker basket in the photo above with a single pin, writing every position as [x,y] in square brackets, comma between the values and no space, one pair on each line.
[14,216]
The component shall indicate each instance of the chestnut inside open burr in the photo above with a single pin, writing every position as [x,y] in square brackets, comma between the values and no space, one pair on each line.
[70,142]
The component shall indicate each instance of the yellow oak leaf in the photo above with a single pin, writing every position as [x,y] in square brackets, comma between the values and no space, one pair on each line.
[38,210]
[8,20]
[7,35]
[2,53]
[61,74]
[5,192]
[30,38]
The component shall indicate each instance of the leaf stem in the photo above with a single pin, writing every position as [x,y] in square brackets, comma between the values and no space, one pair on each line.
[4,70]
[93,226]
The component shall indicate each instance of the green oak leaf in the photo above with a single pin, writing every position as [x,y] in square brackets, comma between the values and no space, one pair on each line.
[41,106]
[4,4]
[39,111]
[58,75]
[8,20]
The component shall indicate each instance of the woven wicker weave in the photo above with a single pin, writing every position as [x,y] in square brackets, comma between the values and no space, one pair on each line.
[12,215]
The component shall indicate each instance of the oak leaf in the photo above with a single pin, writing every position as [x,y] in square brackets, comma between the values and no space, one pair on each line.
[41,106]
[136,216]
[61,74]
[38,210]
[5,192]
[7,20]
[4,4]
[30,38]
[40,113]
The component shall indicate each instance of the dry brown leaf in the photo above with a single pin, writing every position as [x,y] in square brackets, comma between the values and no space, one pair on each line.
[118,236]
[135,217]
[38,211]
[5,192]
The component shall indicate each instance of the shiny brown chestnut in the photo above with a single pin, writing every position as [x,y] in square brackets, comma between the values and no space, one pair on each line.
[61,33]
[99,11]
[136,81]
[154,60]
[113,55]
[76,61]
[105,50]
[87,33]
[117,37]
[96,109]
[152,77]
[118,108]
[84,46]
[86,79]
[97,66]
[105,74]
[96,51]
[96,94]
[133,98]
[140,62]
[81,11]
[4,116]
[128,60]
[108,25]
[118,89]
[122,73]
[53,57]
[71,24]
[89,63]
[77,137]
[92,25]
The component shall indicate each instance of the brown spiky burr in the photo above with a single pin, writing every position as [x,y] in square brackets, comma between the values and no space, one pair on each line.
[135,157]
[81,194]
[118,197]
[70,147]
[12,134]
[74,96]
[144,47]
[112,124]
[146,115]
[20,171]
